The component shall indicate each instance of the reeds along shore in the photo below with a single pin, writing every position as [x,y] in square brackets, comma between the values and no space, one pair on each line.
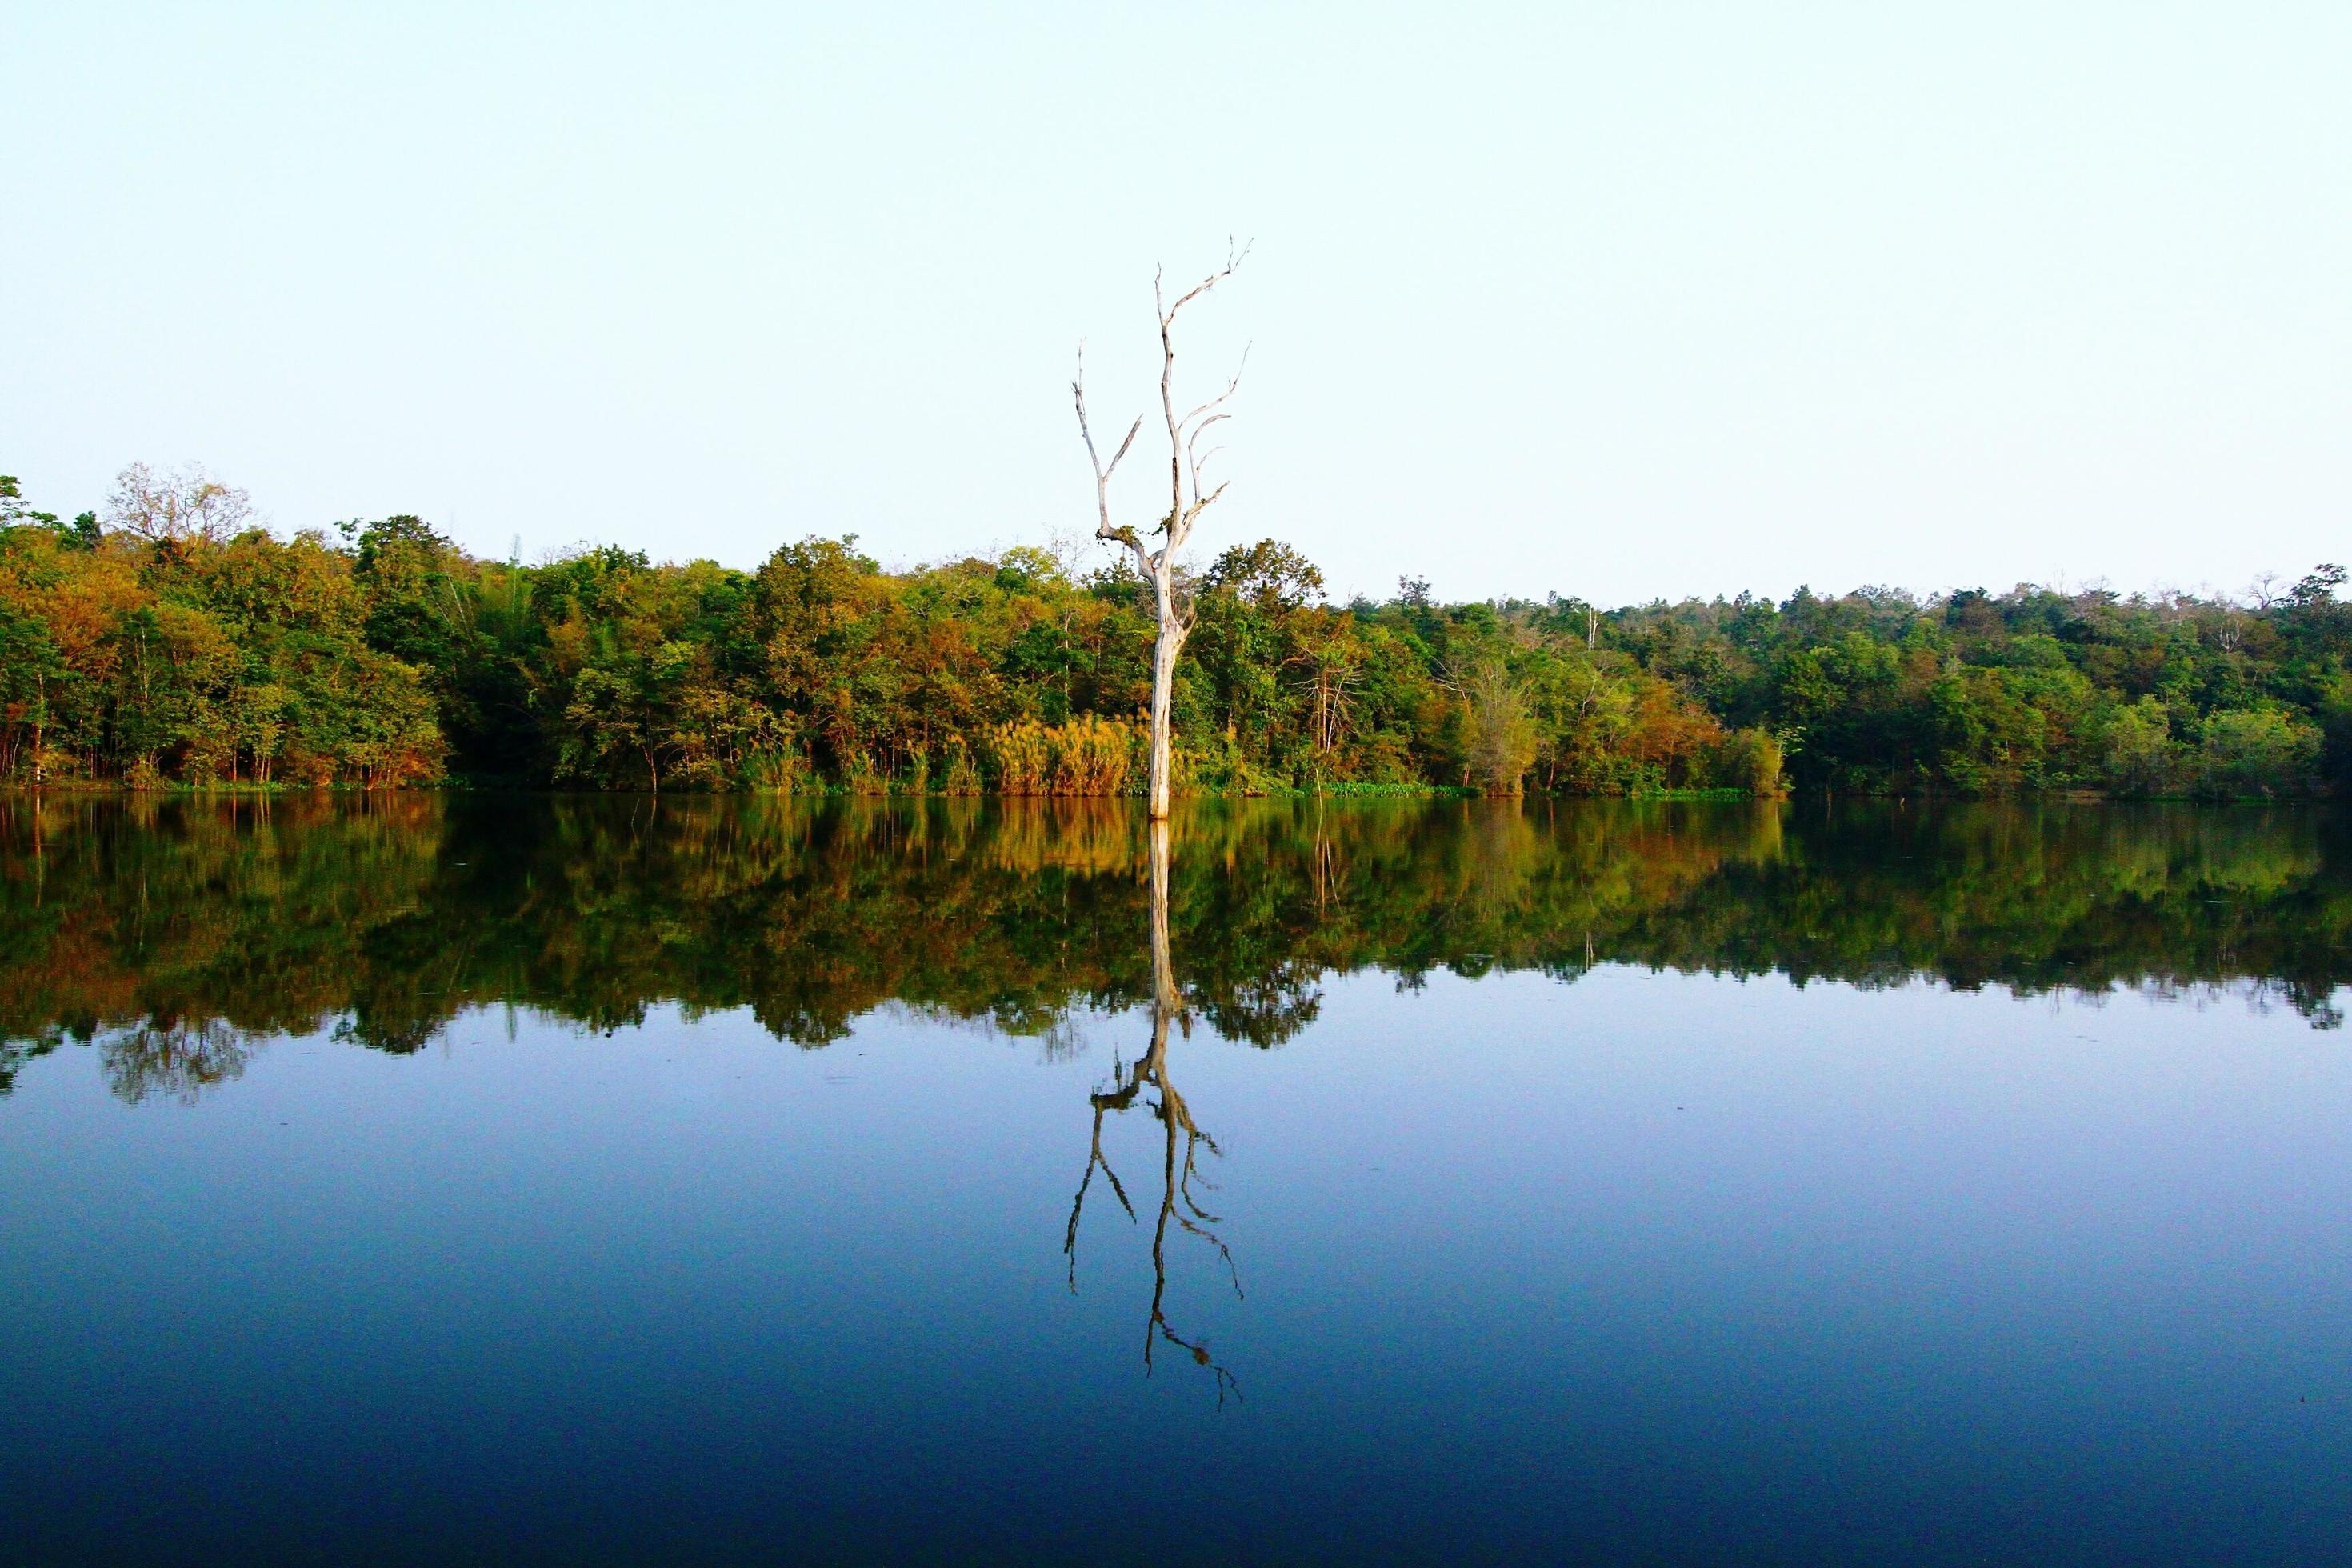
[384,657]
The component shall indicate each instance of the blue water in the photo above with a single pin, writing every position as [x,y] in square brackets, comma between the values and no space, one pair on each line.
[1651,1267]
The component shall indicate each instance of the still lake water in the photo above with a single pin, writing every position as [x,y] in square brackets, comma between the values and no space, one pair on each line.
[572,1180]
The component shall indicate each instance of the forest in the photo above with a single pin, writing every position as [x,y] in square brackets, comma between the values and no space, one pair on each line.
[169,641]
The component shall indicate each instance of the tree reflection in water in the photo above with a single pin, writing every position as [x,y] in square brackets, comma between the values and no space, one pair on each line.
[176,934]
[179,935]
[177,1058]
[1180,1167]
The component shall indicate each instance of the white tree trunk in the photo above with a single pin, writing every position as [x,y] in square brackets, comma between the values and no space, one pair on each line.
[1164,649]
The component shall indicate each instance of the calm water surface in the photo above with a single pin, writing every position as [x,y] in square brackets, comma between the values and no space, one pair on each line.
[604,1180]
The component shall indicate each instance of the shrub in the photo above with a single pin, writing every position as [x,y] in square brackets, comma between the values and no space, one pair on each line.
[1089,756]
[1747,760]
[962,775]
[1020,756]
[2258,751]
[2137,750]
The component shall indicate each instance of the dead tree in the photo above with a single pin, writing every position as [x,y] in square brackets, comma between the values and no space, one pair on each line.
[173,508]
[1172,609]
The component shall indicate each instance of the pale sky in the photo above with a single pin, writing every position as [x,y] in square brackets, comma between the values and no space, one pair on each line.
[1617,300]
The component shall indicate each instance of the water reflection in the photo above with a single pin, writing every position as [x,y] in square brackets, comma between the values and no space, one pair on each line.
[1183,1142]
[1581,1263]
[174,1059]
[176,933]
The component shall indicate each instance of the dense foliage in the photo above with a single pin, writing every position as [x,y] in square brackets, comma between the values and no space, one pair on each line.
[177,933]
[173,642]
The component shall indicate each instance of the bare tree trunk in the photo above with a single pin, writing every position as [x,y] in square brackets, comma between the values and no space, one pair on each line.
[1164,649]
[1186,501]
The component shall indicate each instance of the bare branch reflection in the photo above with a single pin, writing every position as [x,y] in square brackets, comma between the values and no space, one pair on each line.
[177,1058]
[1183,1140]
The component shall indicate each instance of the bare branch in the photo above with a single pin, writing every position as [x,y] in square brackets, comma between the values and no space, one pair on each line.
[1205,503]
[1232,384]
[1103,527]
[1078,395]
[1233,258]
[1194,462]
[171,508]
[1181,515]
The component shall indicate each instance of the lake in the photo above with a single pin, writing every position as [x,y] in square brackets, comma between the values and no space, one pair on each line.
[435,1178]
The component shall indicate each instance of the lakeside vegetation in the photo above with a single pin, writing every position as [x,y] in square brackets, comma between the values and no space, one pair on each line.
[173,643]
[177,933]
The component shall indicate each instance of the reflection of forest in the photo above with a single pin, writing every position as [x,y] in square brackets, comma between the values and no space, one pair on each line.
[174,928]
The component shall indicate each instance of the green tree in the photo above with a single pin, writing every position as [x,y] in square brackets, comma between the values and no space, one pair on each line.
[2258,751]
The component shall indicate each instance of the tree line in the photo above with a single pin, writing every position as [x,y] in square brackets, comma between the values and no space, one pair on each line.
[168,641]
